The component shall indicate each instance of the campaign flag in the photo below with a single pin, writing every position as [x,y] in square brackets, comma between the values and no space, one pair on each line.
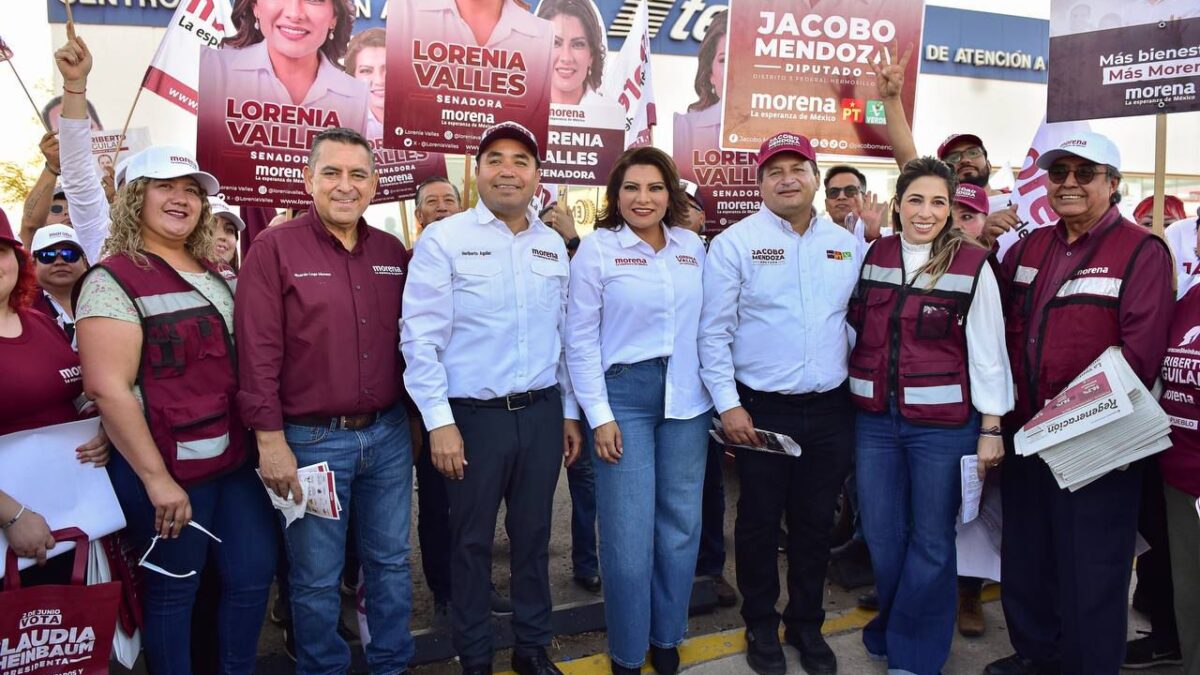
[6,52]
[1121,58]
[631,83]
[174,72]
[806,66]
[447,83]
[1031,193]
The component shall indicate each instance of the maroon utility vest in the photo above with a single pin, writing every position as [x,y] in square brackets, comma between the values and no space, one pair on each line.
[1181,396]
[188,369]
[1078,324]
[912,340]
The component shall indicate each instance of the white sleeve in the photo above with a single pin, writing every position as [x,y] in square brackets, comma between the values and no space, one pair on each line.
[987,354]
[585,304]
[718,321]
[428,322]
[85,194]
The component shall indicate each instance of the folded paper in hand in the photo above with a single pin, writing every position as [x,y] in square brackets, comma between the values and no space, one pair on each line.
[1104,420]
[772,442]
[318,485]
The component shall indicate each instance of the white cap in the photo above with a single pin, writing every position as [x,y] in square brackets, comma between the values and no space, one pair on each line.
[220,208]
[167,161]
[51,235]
[1088,145]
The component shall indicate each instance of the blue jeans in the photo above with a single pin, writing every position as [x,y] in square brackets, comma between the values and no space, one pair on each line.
[235,508]
[648,504]
[909,492]
[373,476]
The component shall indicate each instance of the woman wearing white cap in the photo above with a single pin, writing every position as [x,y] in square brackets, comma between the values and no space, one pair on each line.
[227,225]
[155,328]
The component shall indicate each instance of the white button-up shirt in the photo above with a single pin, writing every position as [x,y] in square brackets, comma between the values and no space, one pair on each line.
[775,302]
[628,304]
[484,312]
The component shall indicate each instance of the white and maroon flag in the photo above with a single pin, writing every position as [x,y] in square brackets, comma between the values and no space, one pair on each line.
[174,73]
[629,81]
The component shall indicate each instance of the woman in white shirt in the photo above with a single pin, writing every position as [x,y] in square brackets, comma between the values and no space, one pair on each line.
[930,375]
[632,321]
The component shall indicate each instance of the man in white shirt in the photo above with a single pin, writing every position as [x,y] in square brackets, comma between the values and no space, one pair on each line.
[483,340]
[774,345]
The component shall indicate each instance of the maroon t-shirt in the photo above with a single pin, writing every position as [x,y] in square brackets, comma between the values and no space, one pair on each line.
[317,326]
[41,376]
[1181,398]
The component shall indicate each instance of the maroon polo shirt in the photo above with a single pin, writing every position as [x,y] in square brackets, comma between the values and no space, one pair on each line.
[1147,298]
[317,326]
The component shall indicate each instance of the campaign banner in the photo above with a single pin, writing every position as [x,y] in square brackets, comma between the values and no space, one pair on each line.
[254,132]
[173,72]
[630,81]
[587,128]
[108,144]
[1120,58]
[1031,193]
[805,67]
[401,171]
[584,144]
[450,77]
[727,179]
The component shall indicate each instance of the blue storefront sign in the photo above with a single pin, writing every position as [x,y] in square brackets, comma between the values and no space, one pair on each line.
[984,45]
[676,26]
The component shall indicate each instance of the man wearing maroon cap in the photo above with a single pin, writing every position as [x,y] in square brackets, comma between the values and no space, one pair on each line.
[1091,281]
[485,310]
[317,318]
[774,346]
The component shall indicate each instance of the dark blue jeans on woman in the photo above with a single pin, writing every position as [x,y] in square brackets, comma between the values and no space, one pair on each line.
[909,492]
[235,508]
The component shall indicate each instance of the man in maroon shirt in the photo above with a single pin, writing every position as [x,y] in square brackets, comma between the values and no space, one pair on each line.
[1091,281]
[317,324]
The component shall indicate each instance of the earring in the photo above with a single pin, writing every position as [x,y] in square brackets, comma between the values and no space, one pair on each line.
[330,34]
[256,26]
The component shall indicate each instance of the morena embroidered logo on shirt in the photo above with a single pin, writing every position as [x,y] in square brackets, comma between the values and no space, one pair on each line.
[1089,271]
[389,270]
[545,255]
[767,256]
[636,262]
[839,255]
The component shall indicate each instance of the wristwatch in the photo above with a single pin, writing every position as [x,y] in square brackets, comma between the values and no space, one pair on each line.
[572,243]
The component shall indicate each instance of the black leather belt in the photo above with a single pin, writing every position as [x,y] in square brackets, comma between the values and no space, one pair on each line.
[512,402]
[790,399]
[339,423]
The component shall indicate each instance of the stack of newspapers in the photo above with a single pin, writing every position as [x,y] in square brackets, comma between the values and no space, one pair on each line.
[1103,420]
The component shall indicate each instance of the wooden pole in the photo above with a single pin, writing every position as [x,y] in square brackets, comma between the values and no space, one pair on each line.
[1160,170]
[405,236]
[124,129]
[70,20]
[36,110]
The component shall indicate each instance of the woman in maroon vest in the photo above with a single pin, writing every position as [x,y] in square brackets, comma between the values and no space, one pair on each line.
[931,379]
[1180,466]
[154,322]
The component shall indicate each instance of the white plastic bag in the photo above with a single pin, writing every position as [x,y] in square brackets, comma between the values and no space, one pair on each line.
[125,647]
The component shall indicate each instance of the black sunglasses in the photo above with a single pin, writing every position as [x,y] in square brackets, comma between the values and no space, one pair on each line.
[58,209]
[1083,174]
[851,191]
[68,255]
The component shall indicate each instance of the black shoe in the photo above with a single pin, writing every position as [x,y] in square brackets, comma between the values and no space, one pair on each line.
[726,596]
[618,669]
[1012,665]
[665,661]
[763,652]
[501,606]
[536,663]
[869,601]
[815,655]
[1151,651]
[477,670]
[590,584]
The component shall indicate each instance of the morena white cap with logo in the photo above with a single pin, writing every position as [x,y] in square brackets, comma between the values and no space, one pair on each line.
[51,235]
[165,162]
[1087,145]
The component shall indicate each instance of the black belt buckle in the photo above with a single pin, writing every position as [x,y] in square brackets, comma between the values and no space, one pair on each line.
[515,402]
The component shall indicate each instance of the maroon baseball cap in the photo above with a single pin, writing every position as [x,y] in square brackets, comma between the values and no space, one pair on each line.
[958,138]
[973,197]
[6,231]
[511,130]
[785,142]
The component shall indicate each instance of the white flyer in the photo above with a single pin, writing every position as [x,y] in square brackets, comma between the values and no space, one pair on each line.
[772,442]
[318,486]
[972,487]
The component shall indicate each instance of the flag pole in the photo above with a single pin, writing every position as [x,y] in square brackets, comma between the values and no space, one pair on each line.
[404,224]
[1160,170]
[125,128]
[36,110]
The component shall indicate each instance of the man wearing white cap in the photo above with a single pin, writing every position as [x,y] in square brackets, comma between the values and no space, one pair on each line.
[484,315]
[60,263]
[1091,281]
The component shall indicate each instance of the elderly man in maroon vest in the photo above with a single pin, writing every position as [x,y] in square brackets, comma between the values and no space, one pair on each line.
[1090,281]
